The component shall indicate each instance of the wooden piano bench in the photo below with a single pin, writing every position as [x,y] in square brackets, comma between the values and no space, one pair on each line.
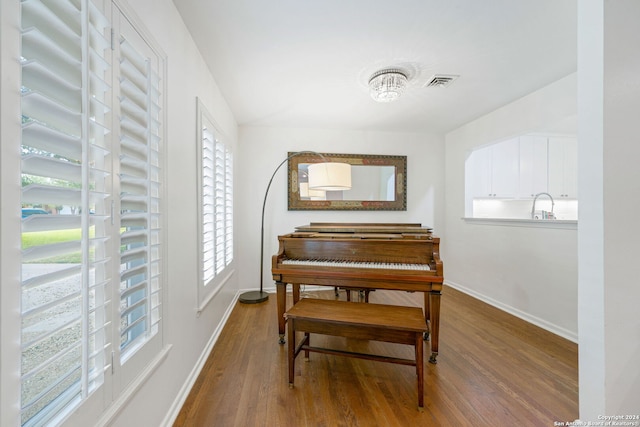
[377,322]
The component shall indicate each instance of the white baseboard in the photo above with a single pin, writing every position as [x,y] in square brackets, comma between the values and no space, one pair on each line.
[178,403]
[548,326]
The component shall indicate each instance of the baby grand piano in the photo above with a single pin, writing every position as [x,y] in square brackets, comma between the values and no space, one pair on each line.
[400,256]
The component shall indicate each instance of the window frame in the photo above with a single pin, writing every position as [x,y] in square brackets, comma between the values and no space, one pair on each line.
[209,285]
[10,232]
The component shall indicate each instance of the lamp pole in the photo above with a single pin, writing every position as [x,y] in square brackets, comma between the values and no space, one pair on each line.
[255,297]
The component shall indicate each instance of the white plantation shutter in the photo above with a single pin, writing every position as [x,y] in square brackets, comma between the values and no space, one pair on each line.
[92,266]
[65,146]
[228,207]
[208,203]
[220,205]
[140,237]
[215,183]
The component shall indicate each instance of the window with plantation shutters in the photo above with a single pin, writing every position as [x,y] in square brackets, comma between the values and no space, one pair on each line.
[215,184]
[91,199]
[139,173]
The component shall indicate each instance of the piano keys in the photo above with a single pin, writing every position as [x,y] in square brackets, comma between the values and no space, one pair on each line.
[355,264]
[392,256]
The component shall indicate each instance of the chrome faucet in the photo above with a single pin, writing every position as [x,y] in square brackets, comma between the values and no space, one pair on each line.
[533,208]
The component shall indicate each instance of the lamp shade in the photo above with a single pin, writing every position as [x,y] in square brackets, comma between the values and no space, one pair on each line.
[330,176]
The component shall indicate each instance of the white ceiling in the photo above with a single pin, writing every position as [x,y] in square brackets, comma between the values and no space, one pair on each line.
[306,63]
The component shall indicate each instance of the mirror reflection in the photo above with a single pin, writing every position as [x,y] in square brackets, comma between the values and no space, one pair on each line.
[374,183]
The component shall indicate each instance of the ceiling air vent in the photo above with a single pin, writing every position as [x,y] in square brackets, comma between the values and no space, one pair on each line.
[441,80]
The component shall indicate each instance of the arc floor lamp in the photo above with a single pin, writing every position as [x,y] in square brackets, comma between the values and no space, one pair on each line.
[330,176]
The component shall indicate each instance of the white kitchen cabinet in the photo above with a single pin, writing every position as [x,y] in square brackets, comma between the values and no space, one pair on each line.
[563,167]
[493,171]
[478,174]
[533,166]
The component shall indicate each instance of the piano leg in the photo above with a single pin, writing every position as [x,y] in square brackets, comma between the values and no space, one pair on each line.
[281,296]
[427,315]
[296,292]
[434,323]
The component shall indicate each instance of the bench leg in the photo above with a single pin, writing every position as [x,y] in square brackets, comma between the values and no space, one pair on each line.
[292,350]
[307,340]
[420,369]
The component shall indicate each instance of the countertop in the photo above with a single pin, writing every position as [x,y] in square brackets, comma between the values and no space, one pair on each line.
[523,222]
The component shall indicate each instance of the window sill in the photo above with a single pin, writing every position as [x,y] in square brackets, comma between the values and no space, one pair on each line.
[531,223]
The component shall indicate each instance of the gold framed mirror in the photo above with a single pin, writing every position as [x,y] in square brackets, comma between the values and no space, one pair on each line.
[379,183]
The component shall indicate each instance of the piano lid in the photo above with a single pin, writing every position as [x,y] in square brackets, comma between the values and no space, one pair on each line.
[359,227]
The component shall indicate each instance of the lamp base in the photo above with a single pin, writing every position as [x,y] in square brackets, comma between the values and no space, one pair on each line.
[253,297]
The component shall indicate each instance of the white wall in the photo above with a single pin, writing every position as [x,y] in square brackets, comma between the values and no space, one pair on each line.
[530,272]
[263,148]
[609,102]
[621,183]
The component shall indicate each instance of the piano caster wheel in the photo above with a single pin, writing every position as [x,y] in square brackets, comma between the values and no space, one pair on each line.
[425,336]
[290,385]
[281,341]
[432,358]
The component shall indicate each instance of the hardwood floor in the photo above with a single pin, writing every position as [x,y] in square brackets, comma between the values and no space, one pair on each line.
[493,370]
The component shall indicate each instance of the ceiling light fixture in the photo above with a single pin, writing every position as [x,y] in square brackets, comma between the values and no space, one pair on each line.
[387,85]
